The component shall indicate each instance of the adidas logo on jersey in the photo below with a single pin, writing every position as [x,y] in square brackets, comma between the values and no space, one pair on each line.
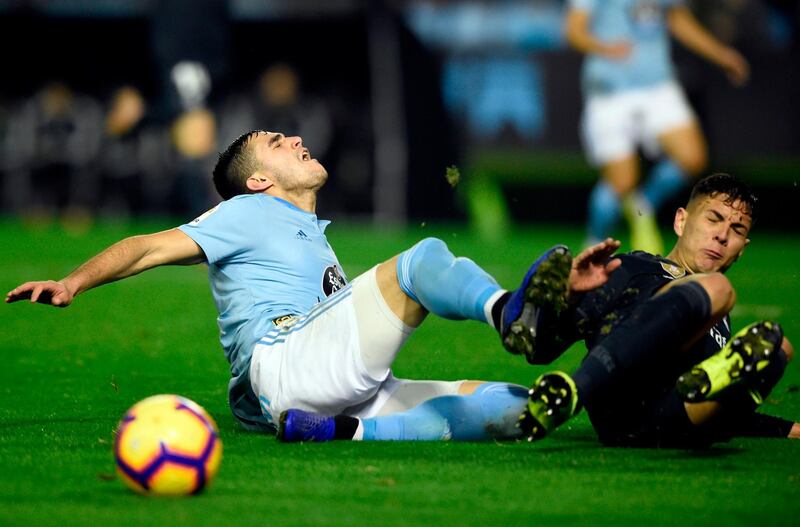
[302,236]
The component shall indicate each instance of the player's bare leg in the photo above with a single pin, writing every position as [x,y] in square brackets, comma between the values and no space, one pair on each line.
[617,179]
[410,312]
[686,146]
[624,175]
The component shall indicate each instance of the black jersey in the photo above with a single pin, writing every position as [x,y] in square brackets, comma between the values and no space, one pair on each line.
[656,415]
[640,276]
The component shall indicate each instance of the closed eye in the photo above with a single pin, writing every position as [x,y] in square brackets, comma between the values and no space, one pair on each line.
[276,140]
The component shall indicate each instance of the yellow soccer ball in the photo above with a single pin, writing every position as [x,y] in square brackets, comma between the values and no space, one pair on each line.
[167,445]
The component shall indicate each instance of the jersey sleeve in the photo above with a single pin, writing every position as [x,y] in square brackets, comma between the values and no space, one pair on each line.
[225,231]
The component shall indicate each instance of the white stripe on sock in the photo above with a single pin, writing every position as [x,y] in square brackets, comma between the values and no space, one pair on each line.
[487,307]
[359,434]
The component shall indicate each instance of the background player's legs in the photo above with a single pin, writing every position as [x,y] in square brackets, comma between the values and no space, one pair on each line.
[618,179]
[686,157]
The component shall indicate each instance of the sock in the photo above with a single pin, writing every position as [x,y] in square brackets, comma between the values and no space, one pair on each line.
[491,412]
[654,331]
[666,179]
[604,211]
[495,315]
[453,288]
[345,426]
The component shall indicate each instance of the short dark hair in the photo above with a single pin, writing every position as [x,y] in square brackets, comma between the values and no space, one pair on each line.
[234,166]
[733,188]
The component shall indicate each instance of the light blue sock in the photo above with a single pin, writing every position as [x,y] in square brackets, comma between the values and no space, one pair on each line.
[666,179]
[491,412]
[454,288]
[604,211]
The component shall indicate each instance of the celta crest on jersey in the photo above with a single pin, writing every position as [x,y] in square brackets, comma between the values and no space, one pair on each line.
[675,271]
[332,280]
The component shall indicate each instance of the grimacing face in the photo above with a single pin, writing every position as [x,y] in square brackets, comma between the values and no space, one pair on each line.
[712,234]
[288,162]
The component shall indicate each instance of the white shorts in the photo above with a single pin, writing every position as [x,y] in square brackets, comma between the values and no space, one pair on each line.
[314,362]
[614,125]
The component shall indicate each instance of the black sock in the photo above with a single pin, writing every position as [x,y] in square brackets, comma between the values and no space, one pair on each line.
[654,331]
[345,427]
[497,309]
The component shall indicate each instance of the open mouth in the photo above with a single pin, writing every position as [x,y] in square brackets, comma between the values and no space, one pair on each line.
[306,155]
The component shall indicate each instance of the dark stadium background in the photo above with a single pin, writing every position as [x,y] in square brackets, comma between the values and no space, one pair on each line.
[346,52]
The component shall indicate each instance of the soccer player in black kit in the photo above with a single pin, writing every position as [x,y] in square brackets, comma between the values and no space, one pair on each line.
[662,368]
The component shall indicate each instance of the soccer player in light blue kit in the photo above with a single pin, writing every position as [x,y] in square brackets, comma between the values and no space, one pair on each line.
[304,344]
[632,99]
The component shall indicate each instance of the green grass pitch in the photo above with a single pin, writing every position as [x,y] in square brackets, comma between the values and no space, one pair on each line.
[67,375]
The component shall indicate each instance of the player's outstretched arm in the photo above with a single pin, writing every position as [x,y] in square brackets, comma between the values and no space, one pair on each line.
[580,37]
[688,31]
[123,259]
[590,268]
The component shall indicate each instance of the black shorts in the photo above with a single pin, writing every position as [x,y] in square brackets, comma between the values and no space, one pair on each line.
[660,422]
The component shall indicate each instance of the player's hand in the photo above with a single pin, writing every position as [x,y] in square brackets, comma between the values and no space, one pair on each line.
[46,292]
[590,268]
[616,50]
[735,66]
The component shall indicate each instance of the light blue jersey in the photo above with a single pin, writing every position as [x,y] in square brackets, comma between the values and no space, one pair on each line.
[266,259]
[642,23]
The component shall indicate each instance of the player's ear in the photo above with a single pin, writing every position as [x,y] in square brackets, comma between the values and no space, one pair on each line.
[259,182]
[680,221]
[746,243]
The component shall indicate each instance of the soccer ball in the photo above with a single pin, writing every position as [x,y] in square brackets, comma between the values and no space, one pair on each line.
[167,445]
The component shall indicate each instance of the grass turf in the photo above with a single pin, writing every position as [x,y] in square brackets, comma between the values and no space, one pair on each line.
[67,376]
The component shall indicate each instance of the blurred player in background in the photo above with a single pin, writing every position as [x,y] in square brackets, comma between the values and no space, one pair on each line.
[632,99]
[662,368]
[298,336]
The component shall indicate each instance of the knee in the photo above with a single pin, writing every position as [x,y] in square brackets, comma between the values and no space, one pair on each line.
[422,251]
[430,243]
[720,291]
[693,162]
[787,348]
[621,186]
